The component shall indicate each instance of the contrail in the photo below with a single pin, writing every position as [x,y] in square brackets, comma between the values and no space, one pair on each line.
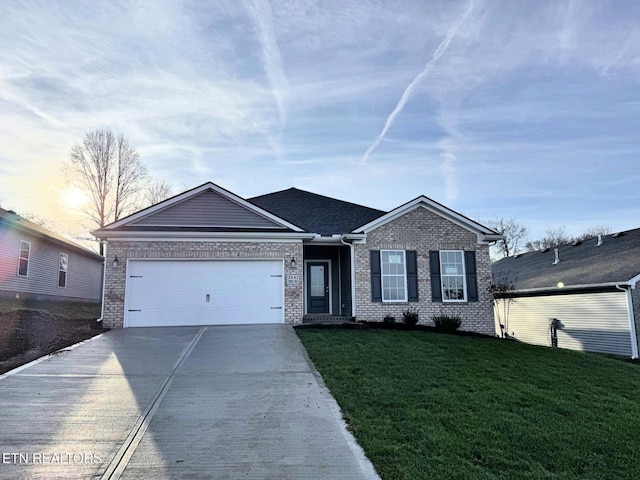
[412,86]
[262,16]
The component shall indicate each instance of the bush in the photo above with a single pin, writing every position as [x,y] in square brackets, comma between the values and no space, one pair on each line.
[410,317]
[445,323]
[389,319]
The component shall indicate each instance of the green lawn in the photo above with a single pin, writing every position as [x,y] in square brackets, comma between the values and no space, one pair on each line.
[427,405]
[59,309]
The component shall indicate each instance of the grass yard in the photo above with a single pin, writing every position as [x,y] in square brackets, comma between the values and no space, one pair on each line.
[427,405]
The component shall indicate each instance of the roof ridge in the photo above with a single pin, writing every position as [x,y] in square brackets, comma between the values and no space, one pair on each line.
[317,195]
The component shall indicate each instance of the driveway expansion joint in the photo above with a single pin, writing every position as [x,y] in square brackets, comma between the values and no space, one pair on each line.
[128,447]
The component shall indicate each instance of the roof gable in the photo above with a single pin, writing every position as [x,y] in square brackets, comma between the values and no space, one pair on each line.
[485,234]
[616,260]
[316,213]
[206,206]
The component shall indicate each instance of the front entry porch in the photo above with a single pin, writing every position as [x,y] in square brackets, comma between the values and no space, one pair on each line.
[327,283]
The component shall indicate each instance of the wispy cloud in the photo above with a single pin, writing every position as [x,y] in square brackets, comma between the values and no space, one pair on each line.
[262,16]
[442,48]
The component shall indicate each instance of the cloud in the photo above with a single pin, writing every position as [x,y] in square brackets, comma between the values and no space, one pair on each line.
[442,48]
[262,16]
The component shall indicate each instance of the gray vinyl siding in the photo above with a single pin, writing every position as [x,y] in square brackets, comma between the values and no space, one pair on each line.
[345,280]
[84,273]
[208,209]
[592,322]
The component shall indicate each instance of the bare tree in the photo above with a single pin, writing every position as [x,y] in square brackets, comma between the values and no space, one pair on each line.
[553,238]
[594,231]
[157,191]
[111,172]
[515,235]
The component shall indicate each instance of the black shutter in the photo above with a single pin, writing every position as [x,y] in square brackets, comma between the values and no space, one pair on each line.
[434,269]
[376,276]
[412,275]
[470,270]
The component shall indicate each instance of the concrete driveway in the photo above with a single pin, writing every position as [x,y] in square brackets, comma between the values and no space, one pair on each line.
[187,402]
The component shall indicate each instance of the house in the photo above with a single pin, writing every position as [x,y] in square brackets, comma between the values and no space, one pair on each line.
[588,287]
[208,256]
[36,263]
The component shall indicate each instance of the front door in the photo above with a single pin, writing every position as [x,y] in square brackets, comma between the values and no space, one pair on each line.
[318,287]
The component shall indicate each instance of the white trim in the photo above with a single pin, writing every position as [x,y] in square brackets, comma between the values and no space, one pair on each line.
[632,322]
[28,259]
[633,281]
[304,283]
[406,281]
[484,234]
[353,274]
[464,277]
[66,276]
[206,236]
[192,193]
[127,296]
[572,287]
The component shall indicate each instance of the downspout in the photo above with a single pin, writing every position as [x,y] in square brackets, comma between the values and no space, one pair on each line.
[104,281]
[632,321]
[353,276]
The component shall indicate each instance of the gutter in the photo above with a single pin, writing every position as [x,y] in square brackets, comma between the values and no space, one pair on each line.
[632,321]
[353,273]
[104,281]
[574,287]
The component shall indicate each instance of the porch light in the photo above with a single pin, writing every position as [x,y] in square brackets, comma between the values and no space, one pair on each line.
[116,262]
[293,262]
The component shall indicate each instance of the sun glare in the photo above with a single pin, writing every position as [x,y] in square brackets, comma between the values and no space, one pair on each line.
[73,197]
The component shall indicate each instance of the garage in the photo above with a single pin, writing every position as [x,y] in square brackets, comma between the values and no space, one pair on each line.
[203,292]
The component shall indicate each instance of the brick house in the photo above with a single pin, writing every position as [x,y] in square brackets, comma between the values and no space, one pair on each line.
[208,256]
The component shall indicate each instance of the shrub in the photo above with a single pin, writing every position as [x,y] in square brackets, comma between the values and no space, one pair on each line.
[410,317]
[445,323]
[389,319]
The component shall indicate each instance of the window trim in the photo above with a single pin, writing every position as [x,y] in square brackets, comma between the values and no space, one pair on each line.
[20,258]
[382,275]
[463,275]
[66,272]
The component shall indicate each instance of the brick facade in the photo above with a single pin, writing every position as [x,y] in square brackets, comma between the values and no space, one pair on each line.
[422,230]
[115,278]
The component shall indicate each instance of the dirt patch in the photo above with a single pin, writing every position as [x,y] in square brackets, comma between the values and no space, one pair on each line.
[27,334]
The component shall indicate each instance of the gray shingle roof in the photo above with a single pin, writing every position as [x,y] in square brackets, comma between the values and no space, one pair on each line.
[316,213]
[12,218]
[616,260]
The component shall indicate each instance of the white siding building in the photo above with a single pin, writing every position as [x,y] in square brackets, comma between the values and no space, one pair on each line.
[588,287]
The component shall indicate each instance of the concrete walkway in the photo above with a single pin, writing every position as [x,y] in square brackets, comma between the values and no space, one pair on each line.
[188,402]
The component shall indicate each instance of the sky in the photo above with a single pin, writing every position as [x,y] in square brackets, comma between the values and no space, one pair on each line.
[527,110]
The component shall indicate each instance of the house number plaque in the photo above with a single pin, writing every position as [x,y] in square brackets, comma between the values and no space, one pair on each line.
[293,279]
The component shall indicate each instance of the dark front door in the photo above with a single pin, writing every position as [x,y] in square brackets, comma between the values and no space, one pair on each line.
[318,287]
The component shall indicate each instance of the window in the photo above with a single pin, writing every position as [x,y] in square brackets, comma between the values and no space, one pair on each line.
[23,260]
[62,270]
[394,286]
[452,276]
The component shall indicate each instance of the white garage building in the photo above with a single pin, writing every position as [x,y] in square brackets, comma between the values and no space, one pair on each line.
[588,287]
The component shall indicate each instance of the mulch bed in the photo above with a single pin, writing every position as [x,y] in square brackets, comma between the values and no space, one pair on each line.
[27,334]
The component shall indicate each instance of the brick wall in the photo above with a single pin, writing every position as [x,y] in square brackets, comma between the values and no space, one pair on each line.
[422,230]
[115,278]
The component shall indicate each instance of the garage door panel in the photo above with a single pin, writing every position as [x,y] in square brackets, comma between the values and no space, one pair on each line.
[164,293]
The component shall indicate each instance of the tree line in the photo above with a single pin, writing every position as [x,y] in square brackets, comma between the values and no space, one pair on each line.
[517,237]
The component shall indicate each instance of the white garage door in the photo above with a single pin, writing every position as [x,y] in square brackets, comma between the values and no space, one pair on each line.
[182,292]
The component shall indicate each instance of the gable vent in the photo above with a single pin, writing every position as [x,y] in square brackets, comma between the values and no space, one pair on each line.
[557,260]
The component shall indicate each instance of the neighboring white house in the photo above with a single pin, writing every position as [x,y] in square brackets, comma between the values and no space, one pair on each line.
[589,287]
[36,263]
